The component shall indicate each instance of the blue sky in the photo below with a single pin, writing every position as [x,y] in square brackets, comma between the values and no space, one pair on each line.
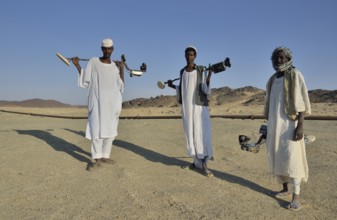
[157,32]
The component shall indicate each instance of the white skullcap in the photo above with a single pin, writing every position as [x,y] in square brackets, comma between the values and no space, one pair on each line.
[192,47]
[107,43]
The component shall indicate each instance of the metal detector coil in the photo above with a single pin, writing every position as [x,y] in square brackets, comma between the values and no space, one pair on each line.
[253,147]
[161,85]
[132,72]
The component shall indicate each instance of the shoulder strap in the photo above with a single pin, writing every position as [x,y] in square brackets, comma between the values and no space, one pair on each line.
[181,71]
[199,69]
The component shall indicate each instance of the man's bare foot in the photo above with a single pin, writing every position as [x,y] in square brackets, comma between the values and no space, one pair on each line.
[284,192]
[94,165]
[107,160]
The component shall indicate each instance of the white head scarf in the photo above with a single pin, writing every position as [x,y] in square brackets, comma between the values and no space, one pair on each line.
[289,55]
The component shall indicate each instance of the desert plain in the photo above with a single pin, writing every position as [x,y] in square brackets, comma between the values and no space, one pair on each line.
[43,173]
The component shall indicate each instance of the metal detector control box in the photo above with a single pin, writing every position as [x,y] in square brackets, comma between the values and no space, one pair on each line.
[221,66]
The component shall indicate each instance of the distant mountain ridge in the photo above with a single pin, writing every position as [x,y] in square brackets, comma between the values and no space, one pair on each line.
[248,95]
[37,103]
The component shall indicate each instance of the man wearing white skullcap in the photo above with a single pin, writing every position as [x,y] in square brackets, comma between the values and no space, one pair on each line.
[192,94]
[287,102]
[105,80]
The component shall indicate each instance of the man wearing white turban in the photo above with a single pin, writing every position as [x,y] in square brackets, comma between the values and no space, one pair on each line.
[105,80]
[287,102]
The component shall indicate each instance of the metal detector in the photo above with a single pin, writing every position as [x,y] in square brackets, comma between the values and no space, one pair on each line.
[131,71]
[255,147]
[216,68]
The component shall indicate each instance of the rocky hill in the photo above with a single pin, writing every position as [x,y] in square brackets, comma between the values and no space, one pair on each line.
[246,96]
[323,96]
[220,96]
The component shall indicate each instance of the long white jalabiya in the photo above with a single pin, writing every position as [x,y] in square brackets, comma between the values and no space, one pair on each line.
[286,157]
[101,148]
[104,98]
[196,119]
[295,183]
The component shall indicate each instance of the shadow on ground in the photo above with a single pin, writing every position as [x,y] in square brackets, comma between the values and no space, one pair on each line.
[80,133]
[58,144]
[173,161]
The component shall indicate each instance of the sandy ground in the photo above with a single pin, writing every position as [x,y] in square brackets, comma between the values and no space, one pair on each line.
[43,173]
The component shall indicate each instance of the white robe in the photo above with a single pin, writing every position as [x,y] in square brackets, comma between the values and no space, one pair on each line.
[104,98]
[196,118]
[286,157]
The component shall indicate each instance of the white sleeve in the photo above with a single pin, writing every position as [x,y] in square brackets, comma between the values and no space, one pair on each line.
[120,84]
[85,76]
[177,93]
[80,80]
[205,88]
[302,102]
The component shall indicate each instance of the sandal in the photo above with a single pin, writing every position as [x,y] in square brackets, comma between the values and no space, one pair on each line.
[189,167]
[92,166]
[294,206]
[208,173]
[106,160]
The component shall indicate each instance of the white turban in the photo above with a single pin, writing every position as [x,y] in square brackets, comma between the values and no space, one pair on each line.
[286,51]
[289,55]
[107,43]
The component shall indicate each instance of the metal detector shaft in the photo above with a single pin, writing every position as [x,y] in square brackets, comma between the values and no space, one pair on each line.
[67,60]
[125,64]
[134,72]
[172,80]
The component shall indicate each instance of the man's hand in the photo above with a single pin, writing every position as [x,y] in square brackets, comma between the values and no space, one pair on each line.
[298,134]
[209,76]
[170,84]
[76,62]
[120,64]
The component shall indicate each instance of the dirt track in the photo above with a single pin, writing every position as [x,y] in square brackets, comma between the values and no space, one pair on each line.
[43,173]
